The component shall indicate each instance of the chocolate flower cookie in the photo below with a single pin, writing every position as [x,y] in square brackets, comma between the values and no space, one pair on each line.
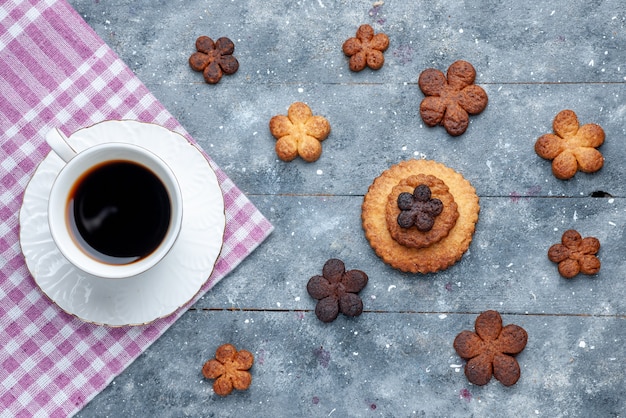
[299,133]
[449,101]
[575,254]
[418,208]
[214,59]
[336,291]
[490,350]
[229,368]
[366,49]
[572,147]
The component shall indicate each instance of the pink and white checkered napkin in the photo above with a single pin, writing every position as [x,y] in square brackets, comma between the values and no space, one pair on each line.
[55,71]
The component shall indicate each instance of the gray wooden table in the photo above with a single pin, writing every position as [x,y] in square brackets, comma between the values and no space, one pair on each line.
[397,358]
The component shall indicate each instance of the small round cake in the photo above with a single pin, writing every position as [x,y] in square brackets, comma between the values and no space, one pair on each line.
[420,215]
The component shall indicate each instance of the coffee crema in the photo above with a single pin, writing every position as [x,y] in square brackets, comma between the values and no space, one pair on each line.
[119,212]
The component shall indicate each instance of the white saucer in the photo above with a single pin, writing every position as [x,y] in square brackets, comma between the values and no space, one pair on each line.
[164,288]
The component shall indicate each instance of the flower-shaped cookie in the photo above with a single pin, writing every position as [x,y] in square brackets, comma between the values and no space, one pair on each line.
[214,59]
[575,254]
[490,350]
[418,209]
[450,101]
[299,133]
[572,147]
[366,49]
[229,368]
[336,291]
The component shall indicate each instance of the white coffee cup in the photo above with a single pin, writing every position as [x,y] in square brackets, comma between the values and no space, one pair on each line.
[101,213]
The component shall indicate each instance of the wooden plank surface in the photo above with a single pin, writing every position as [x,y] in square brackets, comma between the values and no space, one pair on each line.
[397,358]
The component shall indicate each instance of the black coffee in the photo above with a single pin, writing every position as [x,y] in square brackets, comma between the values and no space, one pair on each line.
[119,212]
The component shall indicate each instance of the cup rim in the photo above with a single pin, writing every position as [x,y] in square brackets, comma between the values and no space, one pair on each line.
[58,219]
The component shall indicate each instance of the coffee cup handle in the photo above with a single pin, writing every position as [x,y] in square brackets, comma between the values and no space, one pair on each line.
[60,145]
